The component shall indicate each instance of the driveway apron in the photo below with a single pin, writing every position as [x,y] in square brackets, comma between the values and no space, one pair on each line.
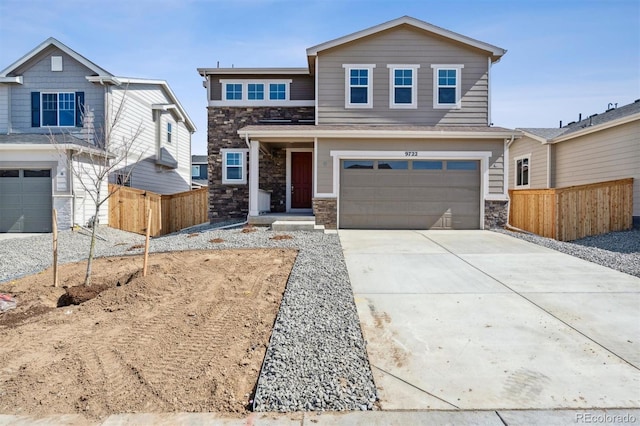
[480,320]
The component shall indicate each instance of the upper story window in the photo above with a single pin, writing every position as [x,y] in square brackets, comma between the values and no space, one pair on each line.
[58,109]
[403,83]
[446,86]
[255,91]
[277,91]
[169,132]
[195,171]
[233,91]
[358,85]
[522,171]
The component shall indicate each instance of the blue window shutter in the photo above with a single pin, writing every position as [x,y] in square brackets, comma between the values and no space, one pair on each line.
[79,108]
[35,109]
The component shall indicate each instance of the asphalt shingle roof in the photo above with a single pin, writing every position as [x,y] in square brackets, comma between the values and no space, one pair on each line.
[592,120]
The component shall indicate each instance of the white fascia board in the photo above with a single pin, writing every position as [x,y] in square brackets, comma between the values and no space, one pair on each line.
[51,147]
[495,51]
[597,128]
[165,86]
[379,134]
[11,80]
[258,103]
[52,41]
[100,79]
[534,137]
[256,71]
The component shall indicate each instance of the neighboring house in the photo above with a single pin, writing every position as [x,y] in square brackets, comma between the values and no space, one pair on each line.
[55,93]
[389,127]
[199,165]
[600,148]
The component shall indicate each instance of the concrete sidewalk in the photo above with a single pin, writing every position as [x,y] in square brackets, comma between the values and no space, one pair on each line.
[368,418]
[476,320]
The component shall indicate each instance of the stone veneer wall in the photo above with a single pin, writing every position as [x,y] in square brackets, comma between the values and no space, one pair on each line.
[232,201]
[326,212]
[495,214]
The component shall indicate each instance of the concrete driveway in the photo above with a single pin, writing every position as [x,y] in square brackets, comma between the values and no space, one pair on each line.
[480,320]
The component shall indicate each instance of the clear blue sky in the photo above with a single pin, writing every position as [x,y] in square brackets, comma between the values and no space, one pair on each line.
[564,56]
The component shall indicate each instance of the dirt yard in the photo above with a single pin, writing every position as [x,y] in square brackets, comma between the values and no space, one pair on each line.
[189,337]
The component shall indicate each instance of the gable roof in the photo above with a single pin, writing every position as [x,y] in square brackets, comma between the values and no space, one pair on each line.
[495,51]
[610,118]
[175,105]
[53,42]
[101,76]
[199,159]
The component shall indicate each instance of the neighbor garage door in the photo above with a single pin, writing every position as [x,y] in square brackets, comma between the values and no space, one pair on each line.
[409,194]
[25,200]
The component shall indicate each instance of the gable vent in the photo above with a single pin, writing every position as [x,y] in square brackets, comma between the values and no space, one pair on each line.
[56,63]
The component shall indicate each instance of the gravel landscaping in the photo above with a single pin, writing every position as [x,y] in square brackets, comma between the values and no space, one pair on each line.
[316,359]
[615,250]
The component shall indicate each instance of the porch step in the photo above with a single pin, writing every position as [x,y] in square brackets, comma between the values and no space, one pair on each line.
[296,225]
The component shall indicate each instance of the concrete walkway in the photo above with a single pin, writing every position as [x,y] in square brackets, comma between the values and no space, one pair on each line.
[369,418]
[476,320]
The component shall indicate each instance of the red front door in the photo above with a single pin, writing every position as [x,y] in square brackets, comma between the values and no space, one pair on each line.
[301,186]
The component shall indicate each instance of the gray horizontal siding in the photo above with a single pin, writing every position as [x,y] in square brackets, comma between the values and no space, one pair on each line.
[38,77]
[325,161]
[4,108]
[606,155]
[403,45]
[301,89]
[537,162]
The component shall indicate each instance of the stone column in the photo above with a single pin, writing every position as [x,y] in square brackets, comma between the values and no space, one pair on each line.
[254,177]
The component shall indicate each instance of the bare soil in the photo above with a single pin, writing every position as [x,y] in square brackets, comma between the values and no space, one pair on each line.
[189,337]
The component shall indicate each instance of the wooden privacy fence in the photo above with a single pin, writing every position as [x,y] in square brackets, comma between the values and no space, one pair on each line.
[128,208]
[574,212]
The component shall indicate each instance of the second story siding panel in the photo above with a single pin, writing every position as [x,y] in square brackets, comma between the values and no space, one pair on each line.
[137,113]
[301,88]
[4,108]
[38,77]
[403,45]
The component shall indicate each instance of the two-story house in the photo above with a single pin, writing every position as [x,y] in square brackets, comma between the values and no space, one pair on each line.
[53,94]
[388,127]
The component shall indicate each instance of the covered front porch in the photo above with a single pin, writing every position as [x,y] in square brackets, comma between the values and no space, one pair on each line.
[281,182]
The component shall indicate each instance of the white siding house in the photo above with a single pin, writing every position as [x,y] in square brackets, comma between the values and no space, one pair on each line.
[53,94]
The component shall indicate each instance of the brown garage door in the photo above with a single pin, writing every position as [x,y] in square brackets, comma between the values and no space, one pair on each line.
[409,194]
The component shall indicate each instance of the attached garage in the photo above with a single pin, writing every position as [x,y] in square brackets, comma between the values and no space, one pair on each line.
[25,200]
[409,194]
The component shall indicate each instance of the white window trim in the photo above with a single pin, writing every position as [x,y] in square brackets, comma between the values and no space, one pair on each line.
[198,166]
[170,132]
[347,85]
[458,68]
[482,156]
[226,181]
[245,101]
[515,171]
[75,107]
[414,85]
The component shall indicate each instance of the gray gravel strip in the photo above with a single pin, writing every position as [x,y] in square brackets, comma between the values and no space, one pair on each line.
[615,250]
[316,359]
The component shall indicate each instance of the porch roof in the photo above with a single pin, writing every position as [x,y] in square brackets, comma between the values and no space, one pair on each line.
[302,132]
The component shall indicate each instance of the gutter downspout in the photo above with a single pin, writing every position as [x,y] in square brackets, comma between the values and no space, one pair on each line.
[506,166]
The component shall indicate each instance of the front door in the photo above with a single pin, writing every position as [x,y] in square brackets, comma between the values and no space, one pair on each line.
[301,176]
